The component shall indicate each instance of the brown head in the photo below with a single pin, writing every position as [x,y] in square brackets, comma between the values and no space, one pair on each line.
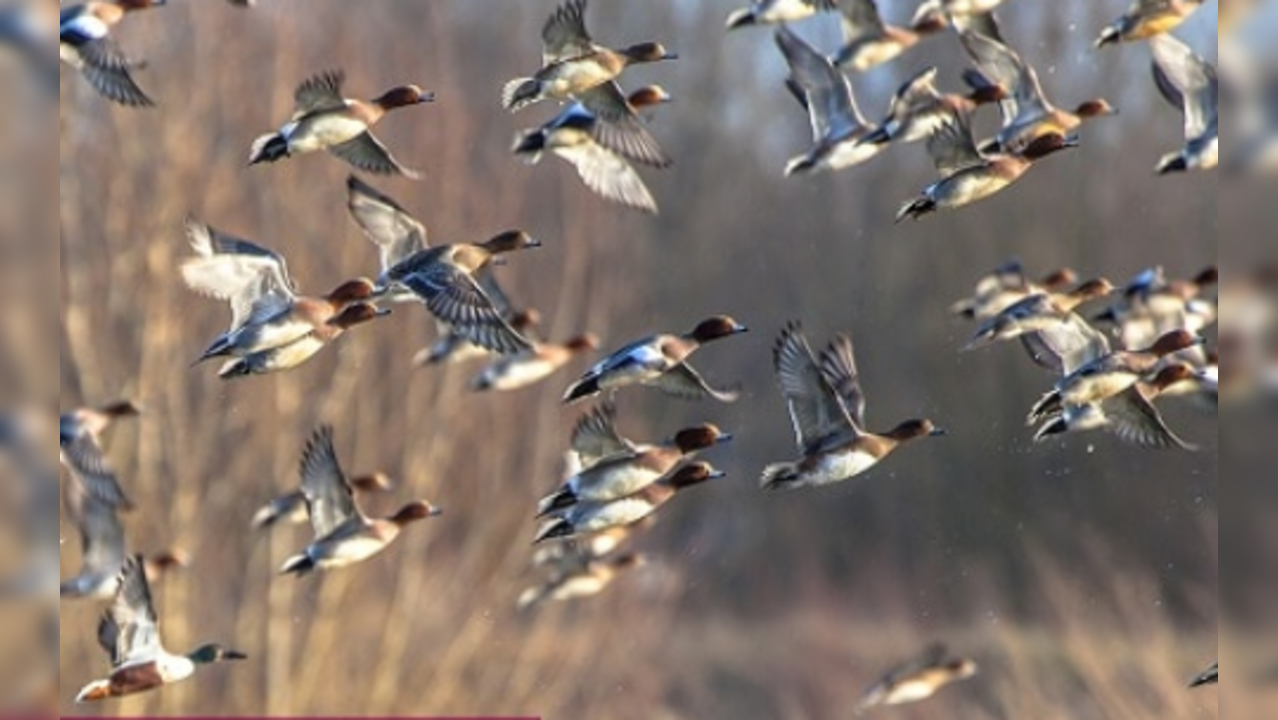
[1058,279]
[988,93]
[509,241]
[583,343]
[719,326]
[525,319]
[699,437]
[414,511]
[172,559]
[1175,341]
[403,96]
[1207,277]
[1091,290]
[376,482]
[120,408]
[1098,107]
[693,474]
[1047,144]
[961,668]
[930,24]
[351,291]
[648,52]
[357,314]
[911,429]
[649,96]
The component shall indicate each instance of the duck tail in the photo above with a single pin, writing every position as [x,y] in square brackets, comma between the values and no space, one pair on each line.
[1056,425]
[520,93]
[265,517]
[1049,404]
[529,598]
[916,208]
[1108,36]
[561,499]
[741,18]
[801,165]
[557,528]
[220,348]
[1172,163]
[238,367]
[779,476]
[94,691]
[583,388]
[298,565]
[530,145]
[268,148]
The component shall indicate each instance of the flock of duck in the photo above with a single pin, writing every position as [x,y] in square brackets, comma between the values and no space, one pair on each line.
[1112,367]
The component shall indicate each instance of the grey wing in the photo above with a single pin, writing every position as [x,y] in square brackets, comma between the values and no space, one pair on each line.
[985,24]
[1000,63]
[831,108]
[861,18]
[951,146]
[838,367]
[457,299]
[367,153]
[683,381]
[108,71]
[328,493]
[564,35]
[101,534]
[608,175]
[320,92]
[1180,72]
[129,630]
[84,459]
[1070,345]
[595,436]
[815,411]
[918,90]
[487,280]
[1135,420]
[618,127]
[397,234]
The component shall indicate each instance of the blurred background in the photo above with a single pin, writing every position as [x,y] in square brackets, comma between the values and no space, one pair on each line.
[1081,574]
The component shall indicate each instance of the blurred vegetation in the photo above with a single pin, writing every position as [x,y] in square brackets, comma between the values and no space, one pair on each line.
[1081,574]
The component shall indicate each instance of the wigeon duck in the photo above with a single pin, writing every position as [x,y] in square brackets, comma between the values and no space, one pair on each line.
[590,517]
[293,354]
[1210,676]
[130,633]
[613,467]
[290,508]
[1006,285]
[1109,375]
[1130,414]
[1145,19]
[918,109]
[581,577]
[511,372]
[343,535]
[1038,312]
[967,174]
[827,411]
[917,679]
[85,43]
[1189,84]
[596,545]
[270,323]
[768,12]
[597,148]
[80,449]
[1152,305]
[324,120]
[661,362]
[869,42]
[455,281]
[102,546]
[1027,113]
[838,128]
[572,63]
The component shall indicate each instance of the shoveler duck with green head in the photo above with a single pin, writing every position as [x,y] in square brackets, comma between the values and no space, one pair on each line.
[324,120]
[343,534]
[660,361]
[917,679]
[85,43]
[130,633]
[827,410]
[80,448]
[572,63]
[1145,19]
